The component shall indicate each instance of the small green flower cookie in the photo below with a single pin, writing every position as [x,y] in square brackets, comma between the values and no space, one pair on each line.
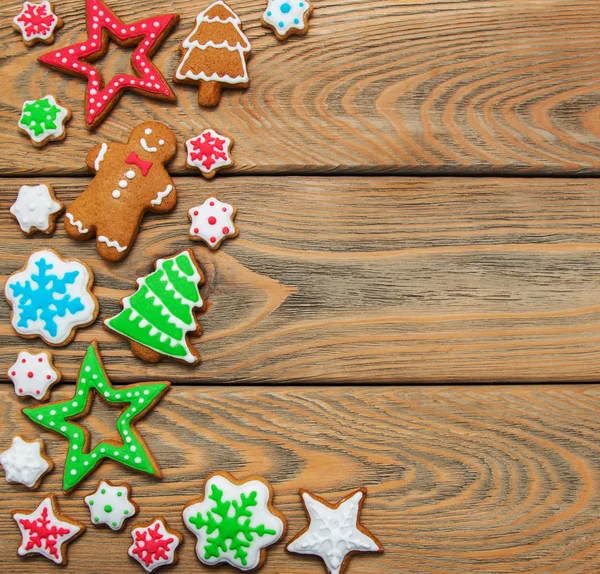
[44,120]
[111,504]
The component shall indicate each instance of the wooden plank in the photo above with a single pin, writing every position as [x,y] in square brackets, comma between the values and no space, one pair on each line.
[362,280]
[465,479]
[460,86]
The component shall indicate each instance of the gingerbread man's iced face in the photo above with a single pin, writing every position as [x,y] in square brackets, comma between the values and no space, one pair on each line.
[153,141]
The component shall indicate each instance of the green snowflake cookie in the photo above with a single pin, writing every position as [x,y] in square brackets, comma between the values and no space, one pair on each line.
[43,120]
[234,522]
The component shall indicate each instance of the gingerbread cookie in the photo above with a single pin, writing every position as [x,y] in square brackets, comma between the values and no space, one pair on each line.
[209,152]
[154,544]
[111,504]
[36,209]
[37,23]
[287,17]
[60,417]
[51,297]
[33,375]
[26,462]
[130,180]
[46,531]
[234,521]
[159,317]
[214,54]
[212,222]
[103,25]
[44,120]
[334,532]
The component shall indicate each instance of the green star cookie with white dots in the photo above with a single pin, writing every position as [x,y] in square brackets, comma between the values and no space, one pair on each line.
[136,399]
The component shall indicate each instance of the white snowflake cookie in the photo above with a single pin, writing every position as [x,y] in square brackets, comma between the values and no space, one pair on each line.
[37,23]
[26,462]
[234,522]
[111,504]
[154,544]
[51,297]
[46,531]
[212,222]
[209,152]
[33,374]
[334,531]
[287,17]
[36,209]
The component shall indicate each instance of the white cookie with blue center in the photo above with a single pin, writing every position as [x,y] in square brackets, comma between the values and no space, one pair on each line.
[287,17]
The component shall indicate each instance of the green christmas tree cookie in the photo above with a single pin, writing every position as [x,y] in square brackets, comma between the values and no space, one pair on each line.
[160,315]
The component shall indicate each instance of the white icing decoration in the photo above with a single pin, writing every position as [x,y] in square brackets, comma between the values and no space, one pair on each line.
[53,133]
[112,243]
[123,184]
[76,223]
[147,147]
[190,44]
[36,35]
[147,131]
[112,507]
[170,553]
[101,154]
[32,375]
[200,226]
[260,515]
[72,529]
[161,195]
[332,533]
[23,462]
[33,207]
[116,194]
[130,174]
[283,15]
[79,288]
[218,161]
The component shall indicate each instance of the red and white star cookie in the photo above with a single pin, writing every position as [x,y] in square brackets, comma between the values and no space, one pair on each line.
[33,375]
[102,24]
[209,152]
[212,222]
[46,531]
[37,23]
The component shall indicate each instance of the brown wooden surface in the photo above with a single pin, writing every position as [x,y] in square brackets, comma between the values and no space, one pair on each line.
[361,280]
[477,479]
[376,86]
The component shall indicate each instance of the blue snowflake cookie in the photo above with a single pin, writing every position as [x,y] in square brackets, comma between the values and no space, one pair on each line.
[51,297]
[287,17]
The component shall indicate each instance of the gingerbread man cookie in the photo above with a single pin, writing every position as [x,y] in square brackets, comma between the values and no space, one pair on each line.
[131,179]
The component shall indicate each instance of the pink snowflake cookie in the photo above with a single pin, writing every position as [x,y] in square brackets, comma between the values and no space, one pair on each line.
[37,23]
[212,222]
[154,544]
[209,152]
[33,375]
[46,531]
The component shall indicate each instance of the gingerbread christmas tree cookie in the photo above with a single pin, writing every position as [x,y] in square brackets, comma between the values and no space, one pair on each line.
[158,318]
[44,120]
[60,417]
[37,22]
[214,54]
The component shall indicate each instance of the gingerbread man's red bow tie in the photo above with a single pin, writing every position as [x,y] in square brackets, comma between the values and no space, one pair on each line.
[133,159]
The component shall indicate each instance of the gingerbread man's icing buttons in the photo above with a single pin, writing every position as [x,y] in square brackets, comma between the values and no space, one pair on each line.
[212,222]
[33,375]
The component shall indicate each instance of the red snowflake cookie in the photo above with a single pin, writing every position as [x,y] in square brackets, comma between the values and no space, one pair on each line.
[46,531]
[209,152]
[212,222]
[37,23]
[154,544]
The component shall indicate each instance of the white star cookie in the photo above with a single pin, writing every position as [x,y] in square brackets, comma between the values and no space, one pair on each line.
[36,209]
[25,462]
[33,375]
[334,531]
[110,504]
[212,222]
[46,531]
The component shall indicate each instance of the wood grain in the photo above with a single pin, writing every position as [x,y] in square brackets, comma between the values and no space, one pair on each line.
[460,87]
[361,280]
[464,479]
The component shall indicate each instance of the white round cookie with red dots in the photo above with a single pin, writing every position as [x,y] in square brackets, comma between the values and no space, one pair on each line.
[212,222]
[33,375]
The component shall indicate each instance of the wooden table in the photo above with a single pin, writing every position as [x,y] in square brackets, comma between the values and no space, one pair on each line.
[412,304]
